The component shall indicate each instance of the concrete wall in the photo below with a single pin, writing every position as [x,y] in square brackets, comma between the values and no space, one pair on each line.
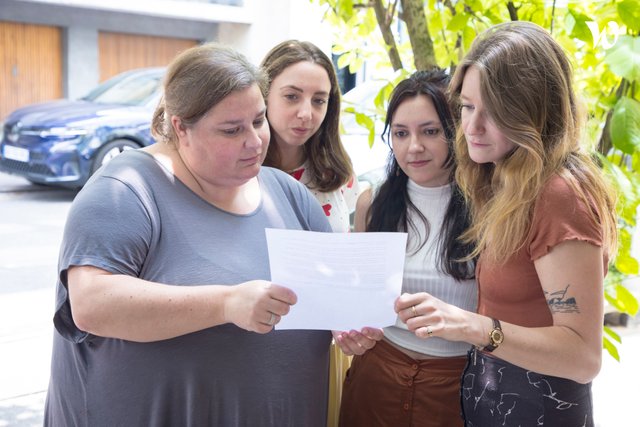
[81,68]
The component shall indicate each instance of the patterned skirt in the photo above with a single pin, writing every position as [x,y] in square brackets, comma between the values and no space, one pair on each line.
[498,393]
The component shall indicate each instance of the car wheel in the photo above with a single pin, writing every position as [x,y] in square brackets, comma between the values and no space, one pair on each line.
[110,150]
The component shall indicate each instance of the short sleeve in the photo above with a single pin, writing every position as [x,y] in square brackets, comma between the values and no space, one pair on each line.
[108,228]
[298,197]
[560,215]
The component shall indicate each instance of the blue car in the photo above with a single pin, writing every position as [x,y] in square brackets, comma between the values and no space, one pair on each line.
[64,142]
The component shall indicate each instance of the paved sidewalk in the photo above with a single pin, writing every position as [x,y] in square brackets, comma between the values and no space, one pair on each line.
[25,342]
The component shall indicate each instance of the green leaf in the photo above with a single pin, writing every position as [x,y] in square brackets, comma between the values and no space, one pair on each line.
[621,181]
[367,123]
[624,58]
[577,27]
[623,300]
[635,161]
[612,334]
[611,348]
[629,12]
[383,96]
[344,8]
[364,120]
[458,22]
[625,125]
[627,300]
[475,5]
[468,35]
[627,264]
[343,61]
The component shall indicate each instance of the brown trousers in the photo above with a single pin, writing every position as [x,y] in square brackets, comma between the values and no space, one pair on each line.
[385,387]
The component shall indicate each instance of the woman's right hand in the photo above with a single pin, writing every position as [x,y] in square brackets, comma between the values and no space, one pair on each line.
[357,342]
[257,305]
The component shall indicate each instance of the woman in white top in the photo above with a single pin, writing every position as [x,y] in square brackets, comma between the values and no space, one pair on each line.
[303,109]
[405,380]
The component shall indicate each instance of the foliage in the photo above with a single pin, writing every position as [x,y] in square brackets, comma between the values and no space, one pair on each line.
[602,38]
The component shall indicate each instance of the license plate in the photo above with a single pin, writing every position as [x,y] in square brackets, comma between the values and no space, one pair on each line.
[15,153]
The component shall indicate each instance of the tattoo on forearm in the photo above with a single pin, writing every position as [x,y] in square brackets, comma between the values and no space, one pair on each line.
[561,302]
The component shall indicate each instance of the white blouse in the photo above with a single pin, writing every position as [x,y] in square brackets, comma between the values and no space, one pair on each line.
[338,205]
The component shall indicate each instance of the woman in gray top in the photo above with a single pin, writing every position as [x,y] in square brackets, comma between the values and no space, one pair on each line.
[164,311]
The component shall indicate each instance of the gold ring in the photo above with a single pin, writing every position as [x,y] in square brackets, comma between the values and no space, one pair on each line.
[429,331]
[271,319]
[415,313]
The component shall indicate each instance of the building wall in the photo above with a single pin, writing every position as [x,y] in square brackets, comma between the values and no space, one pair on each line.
[251,26]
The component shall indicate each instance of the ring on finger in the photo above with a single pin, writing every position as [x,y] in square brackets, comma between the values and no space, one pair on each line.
[415,312]
[429,331]
[272,319]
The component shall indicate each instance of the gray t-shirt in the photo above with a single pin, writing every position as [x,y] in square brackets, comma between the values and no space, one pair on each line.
[134,217]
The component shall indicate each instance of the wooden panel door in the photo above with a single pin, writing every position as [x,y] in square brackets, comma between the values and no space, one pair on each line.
[30,65]
[120,52]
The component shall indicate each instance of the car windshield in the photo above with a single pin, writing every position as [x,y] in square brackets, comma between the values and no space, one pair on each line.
[127,89]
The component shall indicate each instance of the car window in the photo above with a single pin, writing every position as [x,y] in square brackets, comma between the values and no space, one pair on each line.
[131,89]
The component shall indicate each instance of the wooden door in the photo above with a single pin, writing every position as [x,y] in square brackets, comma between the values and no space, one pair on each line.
[30,65]
[120,52]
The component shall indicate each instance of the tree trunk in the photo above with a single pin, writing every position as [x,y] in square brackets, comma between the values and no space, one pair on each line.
[513,11]
[413,15]
[384,23]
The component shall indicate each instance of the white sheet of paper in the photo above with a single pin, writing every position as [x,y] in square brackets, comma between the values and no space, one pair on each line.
[343,281]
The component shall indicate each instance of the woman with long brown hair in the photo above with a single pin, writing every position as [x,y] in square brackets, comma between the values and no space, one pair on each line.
[303,109]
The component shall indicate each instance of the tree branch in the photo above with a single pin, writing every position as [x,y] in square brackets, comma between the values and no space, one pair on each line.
[384,23]
[513,11]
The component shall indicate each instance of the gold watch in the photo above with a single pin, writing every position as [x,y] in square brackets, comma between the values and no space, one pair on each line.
[496,336]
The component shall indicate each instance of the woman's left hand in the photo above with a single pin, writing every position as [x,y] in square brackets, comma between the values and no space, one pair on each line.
[427,316]
[356,343]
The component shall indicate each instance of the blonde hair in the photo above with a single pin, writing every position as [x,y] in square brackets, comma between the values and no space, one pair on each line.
[526,88]
[198,79]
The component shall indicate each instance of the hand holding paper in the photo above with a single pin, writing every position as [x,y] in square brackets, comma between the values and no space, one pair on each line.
[343,281]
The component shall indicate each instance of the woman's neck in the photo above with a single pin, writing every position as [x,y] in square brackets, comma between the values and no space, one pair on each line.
[290,156]
[243,198]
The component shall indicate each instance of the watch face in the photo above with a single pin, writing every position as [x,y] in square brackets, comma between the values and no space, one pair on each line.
[497,336]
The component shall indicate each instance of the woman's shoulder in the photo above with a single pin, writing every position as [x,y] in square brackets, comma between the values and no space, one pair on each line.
[133,172]
[130,162]
[559,194]
[365,197]
[557,186]
[276,175]
[562,211]
[275,178]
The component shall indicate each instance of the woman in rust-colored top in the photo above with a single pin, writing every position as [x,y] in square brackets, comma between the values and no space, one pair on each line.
[543,221]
